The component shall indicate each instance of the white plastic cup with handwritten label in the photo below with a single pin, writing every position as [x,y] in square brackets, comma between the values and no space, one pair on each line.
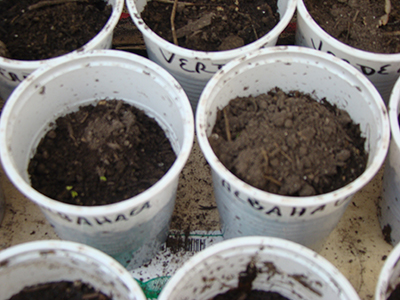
[41,262]
[131,230]
[13,71]
[245,210]
[389,205]
[194,68]
[283,267]
[381,69]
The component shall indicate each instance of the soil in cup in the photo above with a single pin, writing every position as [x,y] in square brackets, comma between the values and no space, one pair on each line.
[252,295]
[211,25]
[100,154]
[371,25]
[395,295]
[244,289]
[289,143]
[76,290]
[39,29]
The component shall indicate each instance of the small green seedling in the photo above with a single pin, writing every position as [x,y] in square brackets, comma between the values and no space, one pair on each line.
[73,193]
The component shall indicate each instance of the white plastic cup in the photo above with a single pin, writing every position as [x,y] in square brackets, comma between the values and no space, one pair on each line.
[2,205]
[13,71]
[194,68]
[48,261]
[245,210]
[389,276]
[389,212]
[381,69]
[284,267]
[136,226]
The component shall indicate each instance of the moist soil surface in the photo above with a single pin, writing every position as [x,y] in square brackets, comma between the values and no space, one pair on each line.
[100,154]
[244,290]
[36,30]
[237,294]
[371,25]
[62,290]
[289,143]
[211,25]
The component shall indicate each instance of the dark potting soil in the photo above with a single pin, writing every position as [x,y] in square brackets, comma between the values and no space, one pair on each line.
[371,25]
[40,29]
[289,144]
[252,295]
[62,290]
[245,290]
[100,154]
[211,25]
[395,295]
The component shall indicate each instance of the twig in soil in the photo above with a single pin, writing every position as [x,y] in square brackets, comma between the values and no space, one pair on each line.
[269,178]
[337,23]
[285,155]
[3,50]
[14,19]
[93,296]
[195,25]
[348,31]
[227,129]
[392,33]
[251,21]
[265,155]
[254,31]
[279,149]
[51,3]
[356,15]
[273,180]
[173,13]
[187,3]
[71,134]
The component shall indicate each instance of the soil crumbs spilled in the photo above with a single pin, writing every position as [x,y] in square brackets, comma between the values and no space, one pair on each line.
[211,25]
[36,30]
[100,155]
[371,25]
[289,144]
